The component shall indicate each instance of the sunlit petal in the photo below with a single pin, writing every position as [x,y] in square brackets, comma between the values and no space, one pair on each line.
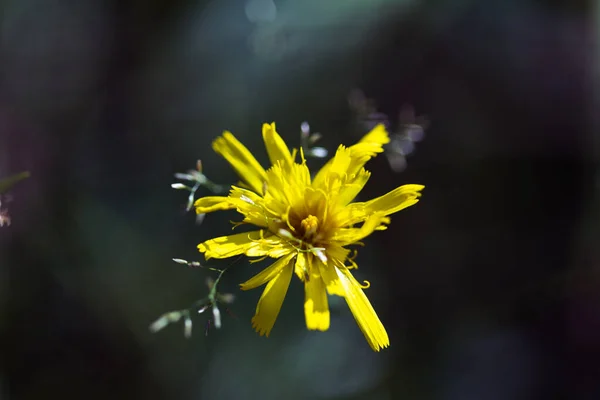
[377,137]
[392,202]
[344,236]
[267,274]
[251,206]
[334,168]
[396,200]
[363,312]
[368,147]
[276,147]
[229,246]
[351,187]
[240,158]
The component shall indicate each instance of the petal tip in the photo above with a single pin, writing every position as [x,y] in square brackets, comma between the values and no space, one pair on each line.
[380,346]
[260,330]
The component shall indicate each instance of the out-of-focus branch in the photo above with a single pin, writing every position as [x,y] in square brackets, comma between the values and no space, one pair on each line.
[210,301]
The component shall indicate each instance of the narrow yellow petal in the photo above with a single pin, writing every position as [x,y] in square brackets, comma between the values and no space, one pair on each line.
[350,160]
[229,246]
[378,135]
[270,245]
[396,200]
[267,274]
[340,162]
[270,302]
[299,174]
[301,266]
[251,206]
[316,308]
[278,187]
[363,312]
[330,278]
[334,168]
[350,188]
[392,202]
[352,214]
[368,147]
[276,147]
[344,236]
[240,158]
[212,203]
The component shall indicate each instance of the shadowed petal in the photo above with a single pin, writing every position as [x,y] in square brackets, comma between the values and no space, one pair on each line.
[270,302]
[330,279]
[212,203]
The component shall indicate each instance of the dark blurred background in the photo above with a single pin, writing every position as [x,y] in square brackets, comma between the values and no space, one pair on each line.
[489,287]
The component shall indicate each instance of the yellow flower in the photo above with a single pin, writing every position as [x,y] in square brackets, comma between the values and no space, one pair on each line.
[306,224]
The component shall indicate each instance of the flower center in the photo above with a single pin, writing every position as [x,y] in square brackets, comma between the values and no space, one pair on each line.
[309,225]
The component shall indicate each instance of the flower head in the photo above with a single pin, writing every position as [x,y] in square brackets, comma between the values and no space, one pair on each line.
[306,224]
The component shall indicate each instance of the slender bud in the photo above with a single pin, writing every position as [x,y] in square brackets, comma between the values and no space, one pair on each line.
[180,186]
[217,316]
[187,329]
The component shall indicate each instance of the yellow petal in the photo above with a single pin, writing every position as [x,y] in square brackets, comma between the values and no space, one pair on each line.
[251,206]
[229,246]
[244,163]
[350,189]
[271,246]
[299,174]
[363,312]
[396,200]
[334,168]
[301,266]
[212,203]
[316,308]
[276,147]
[270,302]
[330,278]
[279,191]
[368,147]
[392,202]
[267,274]
[350,160]
[352,214]
[378,136]
[345,236]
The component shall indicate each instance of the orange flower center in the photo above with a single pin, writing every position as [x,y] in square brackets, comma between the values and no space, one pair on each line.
[309,227]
